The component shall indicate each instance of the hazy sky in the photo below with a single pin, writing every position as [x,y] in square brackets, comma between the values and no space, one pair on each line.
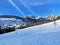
[29,7]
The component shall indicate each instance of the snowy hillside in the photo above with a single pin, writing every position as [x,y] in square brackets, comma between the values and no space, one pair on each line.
[45,34]
[9,22]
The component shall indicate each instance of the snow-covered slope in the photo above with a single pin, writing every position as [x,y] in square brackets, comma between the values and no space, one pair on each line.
[9,22]
[45,34]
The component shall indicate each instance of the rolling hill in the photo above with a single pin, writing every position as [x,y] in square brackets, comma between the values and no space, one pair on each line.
[45,34]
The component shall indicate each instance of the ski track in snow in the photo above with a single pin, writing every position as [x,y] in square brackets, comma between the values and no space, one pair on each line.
[45,34]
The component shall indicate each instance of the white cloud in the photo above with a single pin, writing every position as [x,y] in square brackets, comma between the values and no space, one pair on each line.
[36,3]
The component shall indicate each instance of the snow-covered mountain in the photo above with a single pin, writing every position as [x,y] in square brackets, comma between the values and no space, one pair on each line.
[52,16]
[10,16]
[34,19]
[9,19]
[45,34]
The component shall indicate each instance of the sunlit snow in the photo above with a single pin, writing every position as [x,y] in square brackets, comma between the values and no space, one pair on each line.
[45,34]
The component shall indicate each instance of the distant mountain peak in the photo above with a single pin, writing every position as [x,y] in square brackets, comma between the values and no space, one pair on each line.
[52,16]
[10,16]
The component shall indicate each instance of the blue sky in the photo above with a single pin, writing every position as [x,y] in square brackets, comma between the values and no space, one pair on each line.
[29,7]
